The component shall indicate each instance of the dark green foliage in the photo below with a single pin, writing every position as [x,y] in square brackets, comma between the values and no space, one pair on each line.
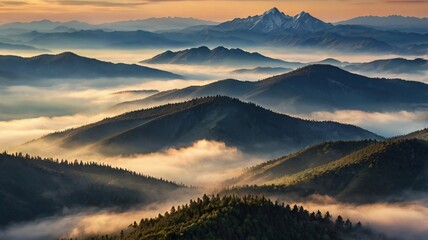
[388,171]
[33,187]
[307,158]
[236,218]
[247,126]
[421,134]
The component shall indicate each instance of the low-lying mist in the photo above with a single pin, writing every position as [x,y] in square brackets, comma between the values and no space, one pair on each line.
[401,220]
[387,124]
[82,223]
[204,163]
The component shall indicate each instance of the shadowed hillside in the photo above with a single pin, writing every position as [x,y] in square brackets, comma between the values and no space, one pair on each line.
[308,89]
[243,125]
[392,170]
[32,187]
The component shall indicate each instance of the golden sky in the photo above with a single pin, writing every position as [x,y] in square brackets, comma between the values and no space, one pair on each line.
[98,11]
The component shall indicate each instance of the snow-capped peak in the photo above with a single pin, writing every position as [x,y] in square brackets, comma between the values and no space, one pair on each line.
[272,11]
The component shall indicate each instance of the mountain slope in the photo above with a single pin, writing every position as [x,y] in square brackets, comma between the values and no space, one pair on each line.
[310,157]
[394,66]
[249,217]
[421,134]
[35,187]
[70,65]
[308,89]
[392,170]
[246,126]
[219,55]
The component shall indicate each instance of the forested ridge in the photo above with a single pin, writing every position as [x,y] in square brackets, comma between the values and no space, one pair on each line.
[236,218]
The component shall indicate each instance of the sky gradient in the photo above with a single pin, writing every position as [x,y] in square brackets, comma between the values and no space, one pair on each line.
[99,11]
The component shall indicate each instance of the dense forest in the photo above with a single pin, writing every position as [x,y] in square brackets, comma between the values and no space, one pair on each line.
[32,187]
[392,170]
[246,218]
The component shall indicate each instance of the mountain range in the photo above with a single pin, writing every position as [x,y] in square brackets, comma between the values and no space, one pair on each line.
[391,66]
[394,22]
[358,172]
[246,126]
[149,24]
[308,89]
[272,28]
[274,21]
[20,70]
[217,56]
[32,187]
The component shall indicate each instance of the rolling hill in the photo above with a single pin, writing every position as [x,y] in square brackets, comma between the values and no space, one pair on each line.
[310,157]
[249,217]
[217,56]
[32,187]
[246,126]
[69,65]
[393,66]
[392,170]
[308,89]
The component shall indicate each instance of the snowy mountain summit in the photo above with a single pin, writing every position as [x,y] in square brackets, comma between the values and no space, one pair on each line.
[275,21]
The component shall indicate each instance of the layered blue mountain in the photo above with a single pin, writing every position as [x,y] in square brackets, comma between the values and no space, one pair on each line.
[394,22]
[149,24]
[393,66]
[101,39]
[217,56]
[309,89]
[67,65]
[273,28]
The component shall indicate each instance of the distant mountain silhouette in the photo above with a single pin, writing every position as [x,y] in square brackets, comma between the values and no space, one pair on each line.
[273,21]
[155,24]
[262,70]
[101,39]
[70,65]
[34,187]
[217,56]
[149,24]
[394,22]
[308,89]
[8,46]
[246,126]
[394,66]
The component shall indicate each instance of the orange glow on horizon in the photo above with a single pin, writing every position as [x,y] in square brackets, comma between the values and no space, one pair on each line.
[115,10]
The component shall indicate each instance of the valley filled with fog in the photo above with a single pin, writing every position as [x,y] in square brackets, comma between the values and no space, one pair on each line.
[95,137]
